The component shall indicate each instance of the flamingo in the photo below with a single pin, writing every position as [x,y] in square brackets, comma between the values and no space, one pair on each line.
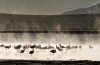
[53,51]
[68,47]
[80,46]
[90,47]
[58,48]
[31,52]
[22,51]
[75,47]
[8,47]
[61,46]
[26,46]
[17,47]
[2,45]
[32,46]
[50,47]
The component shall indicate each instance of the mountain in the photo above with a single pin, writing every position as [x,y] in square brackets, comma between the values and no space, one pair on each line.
[84,19]
[90,10]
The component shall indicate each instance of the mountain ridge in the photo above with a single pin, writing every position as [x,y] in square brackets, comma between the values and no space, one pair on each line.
[90,10]
[19,22]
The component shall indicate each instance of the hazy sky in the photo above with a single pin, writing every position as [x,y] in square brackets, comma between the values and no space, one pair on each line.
[43,7]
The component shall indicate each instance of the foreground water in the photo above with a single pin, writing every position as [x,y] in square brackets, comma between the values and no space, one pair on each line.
[85,53]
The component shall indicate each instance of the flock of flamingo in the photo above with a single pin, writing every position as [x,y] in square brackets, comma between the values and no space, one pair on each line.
[34,46]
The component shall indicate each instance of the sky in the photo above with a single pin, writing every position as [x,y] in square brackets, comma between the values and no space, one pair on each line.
[43,7]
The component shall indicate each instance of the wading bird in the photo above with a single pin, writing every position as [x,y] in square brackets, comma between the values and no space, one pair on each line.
[22,51]
[53,51]
[90,47]
[50,47]
[8,47]
[80,46]
[32,46]
[17,47]
[61,46]
[59,49]
[2,45]
[31,52]
[68,47]
[25,46]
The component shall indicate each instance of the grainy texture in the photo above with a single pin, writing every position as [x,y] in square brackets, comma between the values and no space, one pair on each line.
[11,22]
[57,31]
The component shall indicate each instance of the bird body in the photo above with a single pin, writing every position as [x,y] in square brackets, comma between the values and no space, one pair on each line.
[90,47]
[50,47]
[31,52]
[53,51]
[8,47]
[22,51]
[61,46]
[32,46]
[80,46]
[26,46]
[17,47]
[2,45]
[68,47]
[45,47]
[75,47]
[58,48]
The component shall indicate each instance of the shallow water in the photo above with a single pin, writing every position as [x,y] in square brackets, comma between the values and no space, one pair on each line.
[53,39]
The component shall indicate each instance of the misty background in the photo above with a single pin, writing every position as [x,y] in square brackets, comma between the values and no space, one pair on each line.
[10,21]
[46,15]
[20,15]
[43,7]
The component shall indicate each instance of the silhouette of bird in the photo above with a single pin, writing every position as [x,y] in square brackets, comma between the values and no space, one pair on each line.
[39,47]
[53,51]
[32,46]
[80,46]
[17,47]
[68,47]
[22,51]
[90,47]
[45,47]
[8,47]
[59,48]
[75,47]
[31,52]
[2,45]
[50,47]
[25,46]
